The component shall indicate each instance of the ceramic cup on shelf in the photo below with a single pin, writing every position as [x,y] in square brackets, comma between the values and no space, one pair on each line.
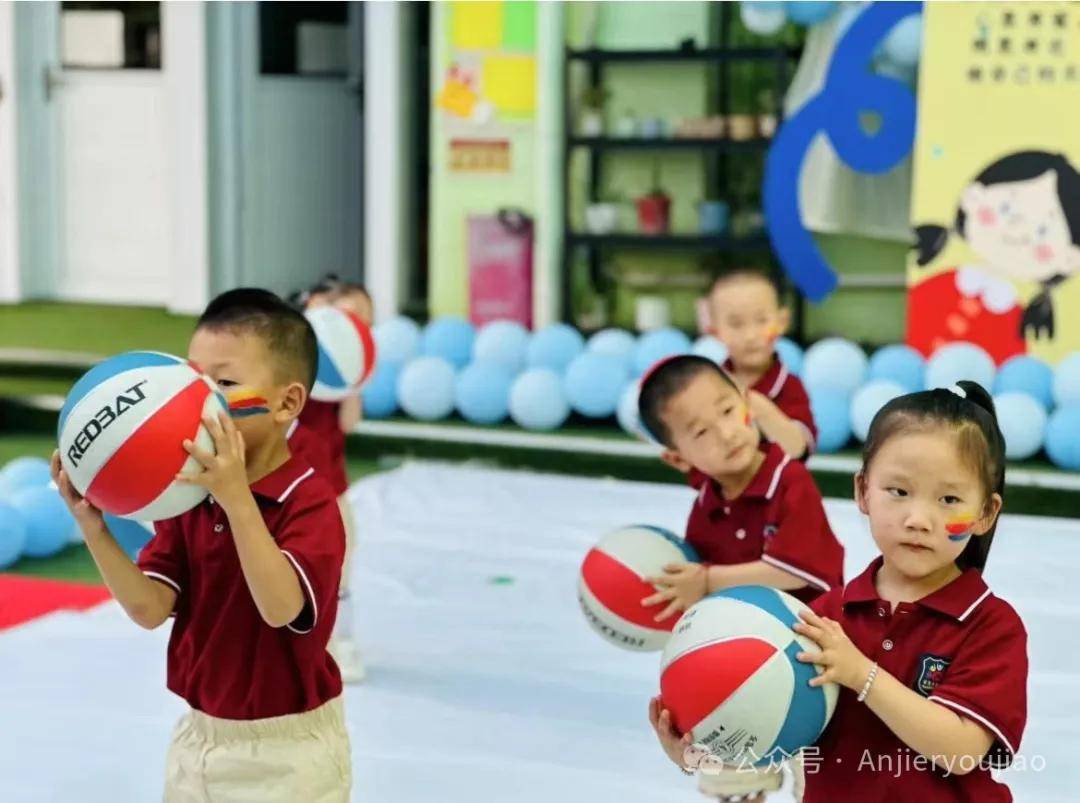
[741,127]
[713,217]
[592,123]
[652,128]
[626,126]
[651,312]
[766,125]
[601,218]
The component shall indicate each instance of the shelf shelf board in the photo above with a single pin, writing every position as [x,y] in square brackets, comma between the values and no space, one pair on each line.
[707,54]
[700,242]
[669,143]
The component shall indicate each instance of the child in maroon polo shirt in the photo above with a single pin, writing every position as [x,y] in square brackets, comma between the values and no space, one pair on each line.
[758,518]
[932,665]
[747,317]
[251,576]
[319,438]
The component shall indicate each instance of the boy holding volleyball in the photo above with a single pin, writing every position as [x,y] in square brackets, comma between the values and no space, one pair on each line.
[758,518]
[746,315]
[319,438]
[251,576]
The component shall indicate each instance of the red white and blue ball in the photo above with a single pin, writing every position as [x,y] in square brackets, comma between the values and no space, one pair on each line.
[346,353]
[612,585]
[122,428]
[730,678]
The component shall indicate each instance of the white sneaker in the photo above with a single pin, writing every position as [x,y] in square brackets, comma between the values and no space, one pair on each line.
[347,656]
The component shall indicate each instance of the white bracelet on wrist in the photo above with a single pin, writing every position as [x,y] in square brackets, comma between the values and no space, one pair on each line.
[869,682]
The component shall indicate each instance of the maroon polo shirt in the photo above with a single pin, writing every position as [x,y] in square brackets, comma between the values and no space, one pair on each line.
[223,658]
[779,518]
[786,391]
[961,647]
[318,439]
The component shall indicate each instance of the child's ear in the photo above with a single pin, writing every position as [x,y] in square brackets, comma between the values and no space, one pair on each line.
[783,321]
[860,493]
[675,460]
[292,402]
[990,514]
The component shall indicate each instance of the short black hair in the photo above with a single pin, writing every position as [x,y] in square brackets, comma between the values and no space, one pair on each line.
[331,284]
[663,382]
[288,336]
[769,277]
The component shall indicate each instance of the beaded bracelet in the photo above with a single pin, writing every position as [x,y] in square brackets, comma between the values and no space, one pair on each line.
[869,682]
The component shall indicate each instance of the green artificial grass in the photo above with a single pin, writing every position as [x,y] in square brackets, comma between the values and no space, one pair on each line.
[93,328]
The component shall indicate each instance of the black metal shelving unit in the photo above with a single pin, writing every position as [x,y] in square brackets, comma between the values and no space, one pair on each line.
[717,150]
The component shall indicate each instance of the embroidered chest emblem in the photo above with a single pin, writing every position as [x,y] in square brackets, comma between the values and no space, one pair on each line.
[770,530]
[931,671]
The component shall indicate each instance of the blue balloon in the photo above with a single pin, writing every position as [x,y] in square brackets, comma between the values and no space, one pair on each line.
[449,338]
[615,343]
[504,342]
[554,347]
[711,348]
[1023,374]
[24,472]
[425,388]
[48,521]
[810,12]
[956,361]
[130,535]
[867,400]
[1022,420]
[13,534]
[593,384]
[763,17]
[482,392]
[656,345]
[628,415]
[831,415]
[900,364]
[537,400]
[379,394]
[396,340]
[1067,380]
[790,354]
[1063,437]
[835,364]
[904,42]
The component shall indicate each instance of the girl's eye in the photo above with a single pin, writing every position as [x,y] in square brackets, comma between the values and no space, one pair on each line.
[1004,208]
[896,492]
[951,500]
[226,383]
[699,433]
[729,410]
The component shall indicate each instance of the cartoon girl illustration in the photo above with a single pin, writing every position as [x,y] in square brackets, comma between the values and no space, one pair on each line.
[1021,217]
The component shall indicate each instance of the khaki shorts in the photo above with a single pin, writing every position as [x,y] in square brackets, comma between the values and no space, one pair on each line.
[298,757]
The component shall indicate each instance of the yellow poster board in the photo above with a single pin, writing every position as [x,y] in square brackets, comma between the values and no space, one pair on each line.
[996,195]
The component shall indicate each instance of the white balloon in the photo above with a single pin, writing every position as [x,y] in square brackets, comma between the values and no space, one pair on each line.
[763,18]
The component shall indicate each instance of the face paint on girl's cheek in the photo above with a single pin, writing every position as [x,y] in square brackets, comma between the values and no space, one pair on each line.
[747,418]
[959,527]
[245,403]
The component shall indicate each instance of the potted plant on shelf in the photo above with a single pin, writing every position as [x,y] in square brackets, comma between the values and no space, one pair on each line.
[654,208]
[767,117]
[591,123]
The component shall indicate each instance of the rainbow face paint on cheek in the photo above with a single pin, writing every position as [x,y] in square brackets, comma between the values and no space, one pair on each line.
[959,527]
[245,403]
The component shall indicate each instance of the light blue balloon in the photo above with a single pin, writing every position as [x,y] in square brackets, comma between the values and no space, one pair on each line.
[554,347]
[1022,420]
[396,340]
[482,392]
[709,347]
[615,343]
[24,472]
[790,354]
[48,521]
[1067,380]
[832,417]
[449,338]
[425,388]
[537,401]
[594,383]
[504,342]
[868,399]
[1063,437]
[900,364]
[656,345]
[1023,374]
[956,361]
[835,364]
[13,534]
[628,415]
[379,394]
[811,12]
[131,535]
[904,42]
[762,17]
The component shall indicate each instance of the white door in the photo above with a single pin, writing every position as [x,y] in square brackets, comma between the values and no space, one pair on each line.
[108,92]
[301,143]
